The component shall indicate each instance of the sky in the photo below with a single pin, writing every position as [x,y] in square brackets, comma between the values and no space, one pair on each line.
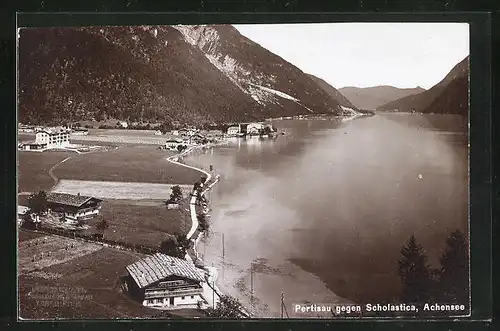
[403,55]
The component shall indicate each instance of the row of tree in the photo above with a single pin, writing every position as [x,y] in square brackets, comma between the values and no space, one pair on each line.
[449,283]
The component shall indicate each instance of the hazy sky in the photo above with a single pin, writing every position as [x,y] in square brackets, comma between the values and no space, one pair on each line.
[367,54]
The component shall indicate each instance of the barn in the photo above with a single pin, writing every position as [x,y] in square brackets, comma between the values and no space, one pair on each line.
[73,207]
[163,281]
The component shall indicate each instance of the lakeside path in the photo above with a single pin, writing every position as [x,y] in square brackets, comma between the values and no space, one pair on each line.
[211,291]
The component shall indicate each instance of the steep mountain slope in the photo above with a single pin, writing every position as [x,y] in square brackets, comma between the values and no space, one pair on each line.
[422,101]
[271,81]
[373,97]
[158,74]
[333,92]
[121,72]
[453,100]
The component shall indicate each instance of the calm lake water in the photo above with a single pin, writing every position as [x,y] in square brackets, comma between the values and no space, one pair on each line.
[322,212]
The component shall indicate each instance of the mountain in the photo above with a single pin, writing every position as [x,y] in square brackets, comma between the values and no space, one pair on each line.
[453,100]
[191,74]
[423,102]
[373,97]
[333,92]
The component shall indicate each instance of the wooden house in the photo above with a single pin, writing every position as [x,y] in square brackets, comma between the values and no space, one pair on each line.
[74,207]
[163,281]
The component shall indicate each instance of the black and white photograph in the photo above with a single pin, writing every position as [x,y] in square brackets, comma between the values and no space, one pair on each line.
[243,171]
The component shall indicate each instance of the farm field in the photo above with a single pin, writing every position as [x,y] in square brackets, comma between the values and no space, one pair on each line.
[87,286]
[141,222]
[144,164]
[33,169]
[27,235]
[118,190]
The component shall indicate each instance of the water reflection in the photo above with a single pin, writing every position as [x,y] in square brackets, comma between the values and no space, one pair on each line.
[329,205]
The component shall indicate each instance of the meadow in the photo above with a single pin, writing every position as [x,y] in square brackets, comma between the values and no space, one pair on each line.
[144,164]
[87,286]
[146,222]
[33,169]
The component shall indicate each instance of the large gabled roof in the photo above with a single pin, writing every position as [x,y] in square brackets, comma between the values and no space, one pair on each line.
[69,199]
[160,266]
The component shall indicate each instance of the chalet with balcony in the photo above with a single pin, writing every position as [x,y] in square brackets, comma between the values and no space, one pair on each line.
[166,282]
[73,208]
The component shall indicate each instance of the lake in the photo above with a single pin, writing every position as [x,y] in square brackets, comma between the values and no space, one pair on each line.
[322,212]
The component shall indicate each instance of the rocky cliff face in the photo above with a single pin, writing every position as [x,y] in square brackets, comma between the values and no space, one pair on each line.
[268,79]
[191,74]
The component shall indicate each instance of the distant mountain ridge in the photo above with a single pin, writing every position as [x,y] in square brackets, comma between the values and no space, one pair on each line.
[373,97]
[438,99]
[190,74]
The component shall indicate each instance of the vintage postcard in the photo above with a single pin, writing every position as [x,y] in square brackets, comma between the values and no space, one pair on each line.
[243,171]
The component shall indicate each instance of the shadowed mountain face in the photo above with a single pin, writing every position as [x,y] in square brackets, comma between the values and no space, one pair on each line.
[448,96]
[333,92]
[373,97]
[191,74]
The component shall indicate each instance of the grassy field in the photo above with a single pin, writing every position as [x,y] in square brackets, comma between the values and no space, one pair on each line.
[86,287]
[142,222]
[118,190]
[128,164]
[33,169]
[27,235]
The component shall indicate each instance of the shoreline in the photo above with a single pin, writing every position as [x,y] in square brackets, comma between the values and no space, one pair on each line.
[211,273]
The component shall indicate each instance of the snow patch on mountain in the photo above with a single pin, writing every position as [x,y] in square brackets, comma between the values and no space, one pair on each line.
[278,93]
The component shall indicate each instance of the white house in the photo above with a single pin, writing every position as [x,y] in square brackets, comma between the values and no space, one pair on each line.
[123,124]
[255,128]
[21,213]
[52,137]
[173,144]
[233,130]
[167,282]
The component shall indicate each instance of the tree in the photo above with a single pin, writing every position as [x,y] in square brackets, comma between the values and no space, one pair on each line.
[202,222]
[196,186]
[267,130]
[415,273]
[37,202]
[176,194]
[453,283]
[228,307]
[175,246]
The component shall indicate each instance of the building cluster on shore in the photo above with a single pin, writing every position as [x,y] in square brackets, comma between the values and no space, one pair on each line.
[259,129]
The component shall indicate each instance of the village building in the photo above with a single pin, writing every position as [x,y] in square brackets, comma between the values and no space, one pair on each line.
[163,281]
[233,130]
[123,124]
[31,145]
[73,208]
[255,129]
[22,211]
[52,137]
[173,144]
[80,131]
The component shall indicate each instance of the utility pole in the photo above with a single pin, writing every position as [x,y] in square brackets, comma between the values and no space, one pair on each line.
[251,286]
[213,293]
[281,304]
[223,254]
